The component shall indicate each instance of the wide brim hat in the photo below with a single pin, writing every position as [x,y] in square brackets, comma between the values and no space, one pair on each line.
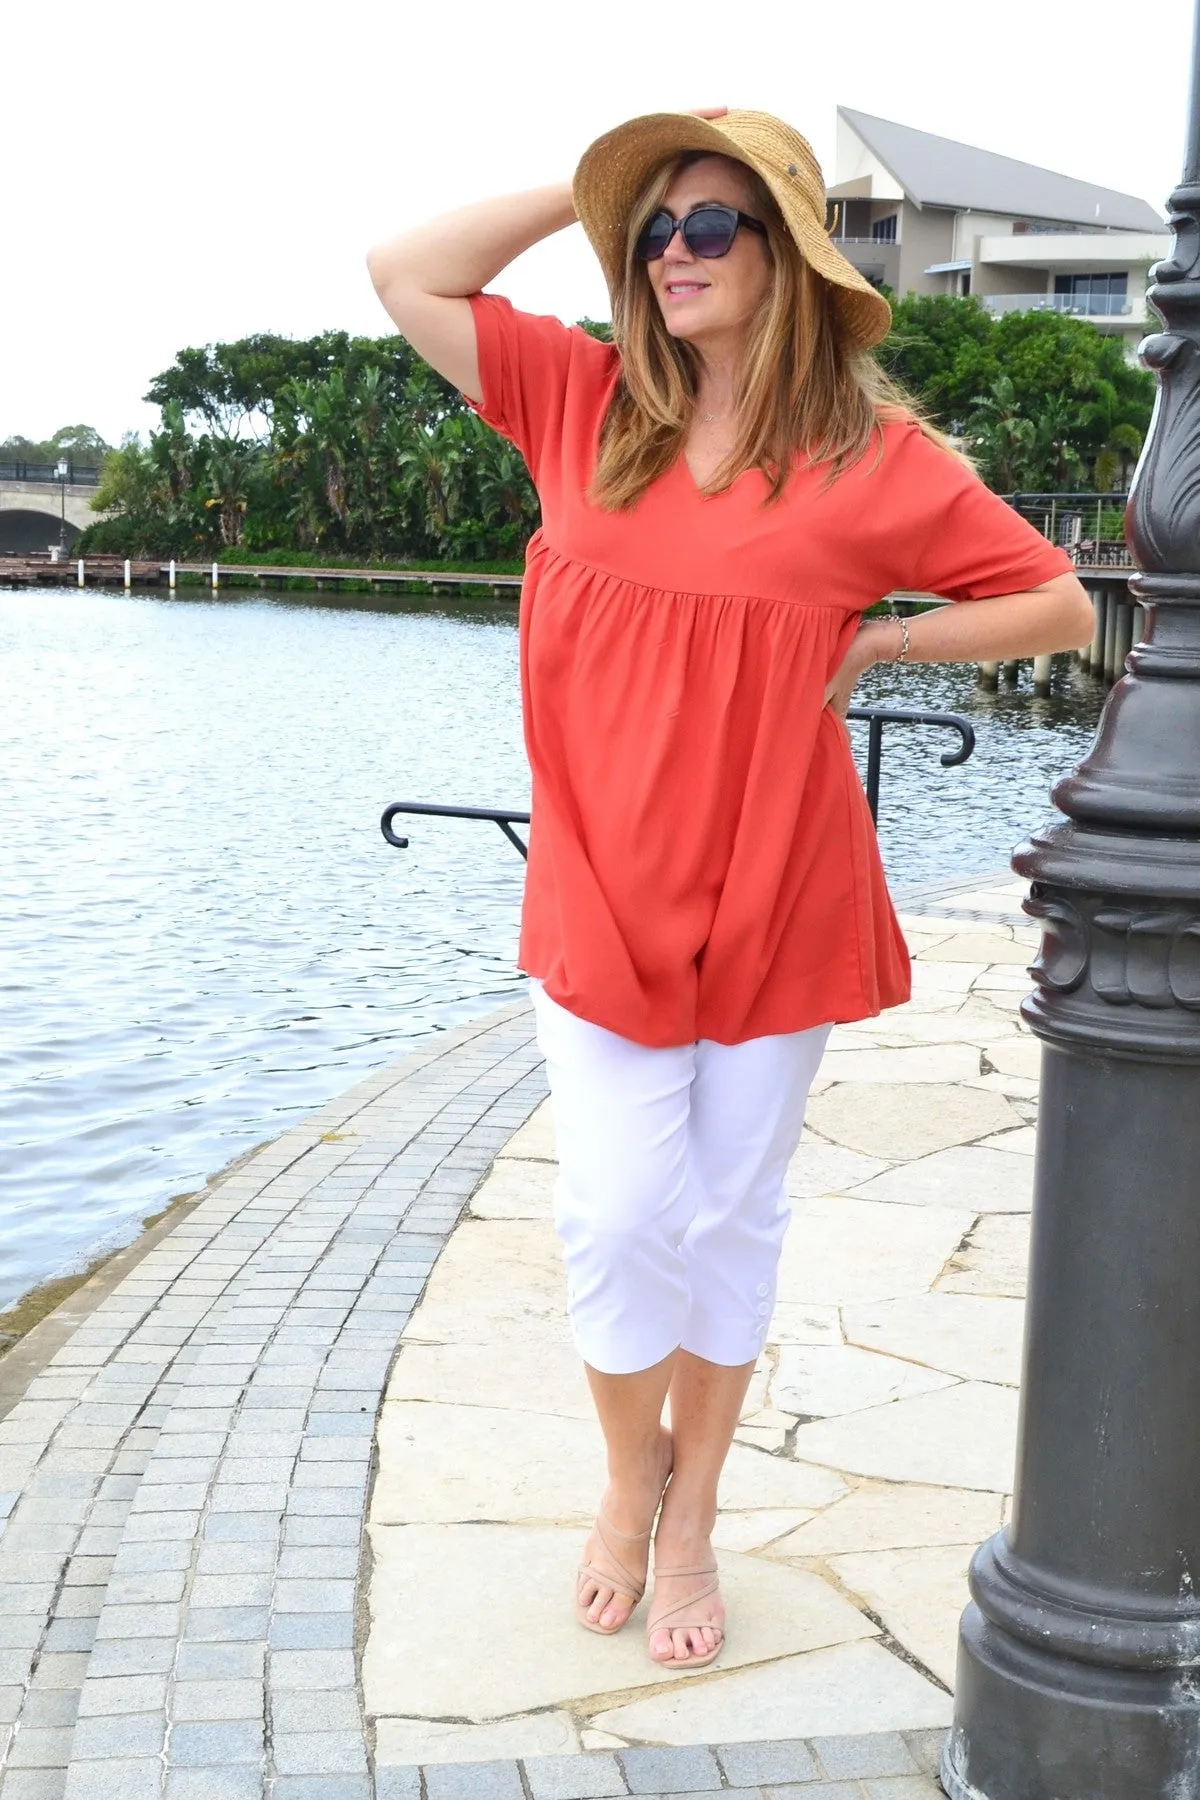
[614,170]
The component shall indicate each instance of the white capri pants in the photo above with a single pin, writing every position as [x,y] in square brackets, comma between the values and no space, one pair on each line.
[670,1200]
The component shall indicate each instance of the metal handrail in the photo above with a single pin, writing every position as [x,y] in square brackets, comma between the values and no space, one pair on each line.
[81,475]
[874,717]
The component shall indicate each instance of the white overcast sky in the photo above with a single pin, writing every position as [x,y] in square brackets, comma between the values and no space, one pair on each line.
[178,174]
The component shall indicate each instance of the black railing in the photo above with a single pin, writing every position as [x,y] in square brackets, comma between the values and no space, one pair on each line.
[874,717]
[77,475]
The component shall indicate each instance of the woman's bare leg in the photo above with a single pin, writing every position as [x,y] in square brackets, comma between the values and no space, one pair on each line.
[706,1402]
[630,1409]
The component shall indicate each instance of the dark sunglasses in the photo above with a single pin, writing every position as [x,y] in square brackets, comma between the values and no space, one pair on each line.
[708,231]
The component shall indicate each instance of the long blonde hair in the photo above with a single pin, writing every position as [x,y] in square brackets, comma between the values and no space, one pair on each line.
[806,389]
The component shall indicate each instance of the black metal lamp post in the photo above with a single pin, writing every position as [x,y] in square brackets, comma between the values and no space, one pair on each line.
[1079,1658]
[62,471]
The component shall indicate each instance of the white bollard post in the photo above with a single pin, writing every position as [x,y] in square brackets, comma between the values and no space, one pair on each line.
[1041,674]
[79,572]
[128,576]
[989,676]
[214,578]
[171,575]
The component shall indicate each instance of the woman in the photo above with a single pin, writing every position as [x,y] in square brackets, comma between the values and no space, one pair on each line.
[725,490]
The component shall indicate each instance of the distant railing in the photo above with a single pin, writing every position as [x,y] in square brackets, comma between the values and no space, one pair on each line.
[1086,526]
[77,475]
[1078,306]
[875,243]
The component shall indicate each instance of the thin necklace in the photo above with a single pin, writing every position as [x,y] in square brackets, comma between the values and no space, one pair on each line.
[711,418]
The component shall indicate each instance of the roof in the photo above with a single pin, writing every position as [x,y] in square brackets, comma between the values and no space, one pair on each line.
[936,171]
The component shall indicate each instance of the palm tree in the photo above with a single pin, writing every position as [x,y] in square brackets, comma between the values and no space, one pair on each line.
[1000,438]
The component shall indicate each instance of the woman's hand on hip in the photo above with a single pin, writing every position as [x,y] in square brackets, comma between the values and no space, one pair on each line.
[871,643]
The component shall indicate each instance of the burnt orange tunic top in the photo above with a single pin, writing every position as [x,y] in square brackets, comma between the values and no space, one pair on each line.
[702,862]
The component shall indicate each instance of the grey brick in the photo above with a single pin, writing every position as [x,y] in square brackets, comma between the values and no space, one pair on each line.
[311,1669]
[133,1656]
[925,1748]
[136,1590]
[319,1752]
[239,1783]
[323,1787]
[325,1562]
[904,1787]
[821,1790]
[403,1783]
[347,1501]
[121,1734]
[770,1762]
[44,1706]
[227,1624]
[62,1669]
[124,1778]
[139,1621]
[232,1741]
[250,1528]
[66,1634]
[312,1631]
[193,1700]
[123,1694]
[243,1497]
[337,1710]
[321,1529]
[157,1528]
[220,1662]
[314,1596]
[232,1590]
[255,1558]
[79,1603]
[41,1747]
[473,1781]
[33,1784]
[858,1758]
[588,1776]
[688,1770]
[153,1559]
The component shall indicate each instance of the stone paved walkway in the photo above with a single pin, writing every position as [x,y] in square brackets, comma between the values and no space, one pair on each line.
[189,1606]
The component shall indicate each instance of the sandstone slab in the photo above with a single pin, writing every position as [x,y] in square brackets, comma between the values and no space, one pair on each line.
[535,1139]
[517,1188]
[839,1250]
[974,1336]
[522,1373]
[967,1175]
[898,1068]
[905,1516]
[820,1168]
[429,1577]
[962,1437]
[995,1259]
[495,1277]
[406,1741]
[455,1463]
[919,1594]
[901,1124]
[821,1381]
[855,1688]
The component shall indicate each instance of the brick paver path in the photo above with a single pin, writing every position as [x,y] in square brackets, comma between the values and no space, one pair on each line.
[182,1486]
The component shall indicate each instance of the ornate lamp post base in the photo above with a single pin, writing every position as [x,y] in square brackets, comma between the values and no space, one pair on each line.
[1079,1659]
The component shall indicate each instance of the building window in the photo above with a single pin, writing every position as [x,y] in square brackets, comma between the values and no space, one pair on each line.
[964,283]
[884,230]
[1090,286]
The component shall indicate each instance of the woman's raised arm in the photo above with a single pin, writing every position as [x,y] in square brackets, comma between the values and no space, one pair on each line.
[423,276]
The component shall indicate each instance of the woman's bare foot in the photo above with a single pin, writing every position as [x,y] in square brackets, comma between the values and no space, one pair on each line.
[683,1541]
[630,1509]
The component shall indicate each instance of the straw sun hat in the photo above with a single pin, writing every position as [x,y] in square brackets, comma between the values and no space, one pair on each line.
[614,170]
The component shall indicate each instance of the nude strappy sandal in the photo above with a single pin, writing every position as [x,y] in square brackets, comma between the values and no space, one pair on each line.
[617,1576]
[669,1618]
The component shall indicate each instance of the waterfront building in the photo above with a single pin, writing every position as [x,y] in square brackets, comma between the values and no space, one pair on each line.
[925,215]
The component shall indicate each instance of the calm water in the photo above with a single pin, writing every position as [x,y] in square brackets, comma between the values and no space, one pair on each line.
[202,933]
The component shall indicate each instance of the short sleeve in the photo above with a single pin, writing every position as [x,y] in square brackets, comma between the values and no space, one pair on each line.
[963,541]
[525,369]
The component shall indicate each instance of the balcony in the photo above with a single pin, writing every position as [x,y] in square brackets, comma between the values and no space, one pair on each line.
[1079,306]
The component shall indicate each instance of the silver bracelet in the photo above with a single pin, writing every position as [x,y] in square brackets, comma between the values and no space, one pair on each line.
[895,618]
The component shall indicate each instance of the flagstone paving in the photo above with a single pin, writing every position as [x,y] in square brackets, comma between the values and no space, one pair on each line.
[874,1452]
[196,1605]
